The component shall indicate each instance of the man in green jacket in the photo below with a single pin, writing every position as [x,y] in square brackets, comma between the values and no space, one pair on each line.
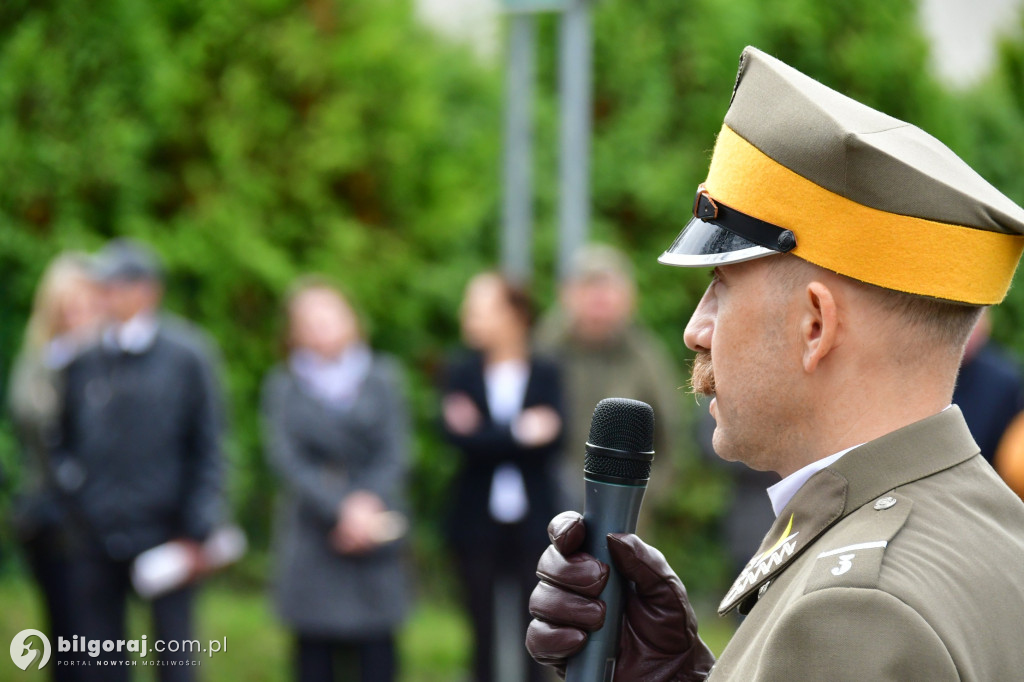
[852,255]
[604,351]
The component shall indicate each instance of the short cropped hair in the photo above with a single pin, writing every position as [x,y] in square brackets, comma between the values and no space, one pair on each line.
[945,323]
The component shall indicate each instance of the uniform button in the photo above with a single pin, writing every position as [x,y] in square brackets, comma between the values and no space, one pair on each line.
[885,502]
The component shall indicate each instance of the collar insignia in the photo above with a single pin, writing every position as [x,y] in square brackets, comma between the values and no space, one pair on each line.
[762,565]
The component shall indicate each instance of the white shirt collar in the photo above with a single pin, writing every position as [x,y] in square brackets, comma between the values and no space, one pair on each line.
[60,351]
[506,389]
[783,491]
[134,336]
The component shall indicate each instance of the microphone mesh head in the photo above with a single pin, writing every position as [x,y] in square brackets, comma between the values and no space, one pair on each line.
[621,424]
[619,467]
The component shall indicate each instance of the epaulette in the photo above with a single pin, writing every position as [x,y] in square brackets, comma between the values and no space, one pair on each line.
[858,563]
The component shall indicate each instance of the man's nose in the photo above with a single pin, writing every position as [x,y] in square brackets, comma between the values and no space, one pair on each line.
[702,323]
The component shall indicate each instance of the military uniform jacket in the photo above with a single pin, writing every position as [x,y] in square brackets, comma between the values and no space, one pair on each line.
[903,560]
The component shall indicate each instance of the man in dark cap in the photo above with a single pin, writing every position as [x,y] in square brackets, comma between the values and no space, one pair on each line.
[140,457]
[852,254]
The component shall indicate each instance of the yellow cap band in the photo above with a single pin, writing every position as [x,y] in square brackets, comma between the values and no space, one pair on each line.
[899,252]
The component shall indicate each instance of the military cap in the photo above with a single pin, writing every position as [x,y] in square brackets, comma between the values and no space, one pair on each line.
[800,168]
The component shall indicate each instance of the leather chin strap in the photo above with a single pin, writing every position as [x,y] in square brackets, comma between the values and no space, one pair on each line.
[750,228]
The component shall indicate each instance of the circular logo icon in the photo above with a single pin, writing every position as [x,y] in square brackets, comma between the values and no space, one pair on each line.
[22,652]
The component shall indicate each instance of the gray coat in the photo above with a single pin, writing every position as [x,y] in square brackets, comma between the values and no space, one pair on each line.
[321,455]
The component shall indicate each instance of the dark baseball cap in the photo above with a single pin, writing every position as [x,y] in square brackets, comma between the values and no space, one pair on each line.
[126,260]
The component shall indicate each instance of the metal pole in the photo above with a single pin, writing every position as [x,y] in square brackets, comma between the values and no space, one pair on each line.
[517,211]
[575,93]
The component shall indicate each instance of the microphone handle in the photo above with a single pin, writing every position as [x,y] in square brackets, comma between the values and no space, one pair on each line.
[609,508]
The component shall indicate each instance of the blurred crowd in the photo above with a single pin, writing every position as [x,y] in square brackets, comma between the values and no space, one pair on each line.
[119,413]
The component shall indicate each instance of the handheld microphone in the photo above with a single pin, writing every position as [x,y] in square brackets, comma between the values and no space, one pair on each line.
[616,469]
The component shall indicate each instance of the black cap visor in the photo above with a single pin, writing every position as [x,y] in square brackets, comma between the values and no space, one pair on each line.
[718,235]
[703,244]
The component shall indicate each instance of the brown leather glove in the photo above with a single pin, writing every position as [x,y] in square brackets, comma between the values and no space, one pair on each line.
[659,641]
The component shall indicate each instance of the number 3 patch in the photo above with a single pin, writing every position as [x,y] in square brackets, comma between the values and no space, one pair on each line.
[845,564]
[845,555]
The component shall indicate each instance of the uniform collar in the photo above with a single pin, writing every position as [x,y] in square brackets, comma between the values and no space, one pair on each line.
[783,491]
[863,474]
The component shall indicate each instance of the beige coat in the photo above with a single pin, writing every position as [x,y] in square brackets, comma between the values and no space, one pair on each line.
[904,560]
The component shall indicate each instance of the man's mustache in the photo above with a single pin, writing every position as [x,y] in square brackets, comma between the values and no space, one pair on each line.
[702,375]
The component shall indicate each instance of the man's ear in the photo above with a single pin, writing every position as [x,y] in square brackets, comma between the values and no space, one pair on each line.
[819,327]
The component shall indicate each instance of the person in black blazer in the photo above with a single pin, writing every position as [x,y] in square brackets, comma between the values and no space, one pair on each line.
[502,409]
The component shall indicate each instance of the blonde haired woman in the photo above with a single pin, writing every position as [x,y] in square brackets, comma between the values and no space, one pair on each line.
[64,320]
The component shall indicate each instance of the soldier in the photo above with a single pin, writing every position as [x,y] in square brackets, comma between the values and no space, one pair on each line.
[852,254]
[602,351]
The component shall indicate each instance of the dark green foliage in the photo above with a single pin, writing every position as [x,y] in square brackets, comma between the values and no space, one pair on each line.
[250,142]
[994,115]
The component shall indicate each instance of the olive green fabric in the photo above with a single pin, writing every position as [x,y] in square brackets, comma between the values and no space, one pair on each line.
[631,364]
[858,152]
[901,561]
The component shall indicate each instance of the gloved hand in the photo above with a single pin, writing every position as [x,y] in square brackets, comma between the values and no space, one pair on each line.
[659,641]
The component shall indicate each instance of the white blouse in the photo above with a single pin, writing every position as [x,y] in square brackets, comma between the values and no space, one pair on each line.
[505,383]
